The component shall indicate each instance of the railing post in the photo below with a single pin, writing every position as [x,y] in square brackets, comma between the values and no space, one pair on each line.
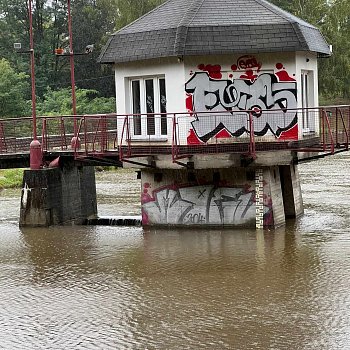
[77,144]
[115,141]
[346,142]
[128,136]
[85,136]
[44,136]
[323,112]
[3,146]
[104,134]
[174,140]
[121,155]
[336,127]
[330,133]
[63,134]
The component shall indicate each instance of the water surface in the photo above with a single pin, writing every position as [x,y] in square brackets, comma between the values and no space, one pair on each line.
[129,288]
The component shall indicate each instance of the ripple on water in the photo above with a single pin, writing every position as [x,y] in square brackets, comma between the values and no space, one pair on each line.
[128,288]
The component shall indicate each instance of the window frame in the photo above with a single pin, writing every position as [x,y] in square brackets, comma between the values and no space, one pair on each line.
[146,124]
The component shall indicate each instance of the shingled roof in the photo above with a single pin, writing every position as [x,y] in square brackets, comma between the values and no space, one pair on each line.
[181,28]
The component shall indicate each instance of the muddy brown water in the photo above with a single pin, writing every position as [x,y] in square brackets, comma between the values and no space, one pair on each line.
[129,288]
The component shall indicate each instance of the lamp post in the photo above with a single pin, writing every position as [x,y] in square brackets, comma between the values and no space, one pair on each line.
[36,155]
[75,140]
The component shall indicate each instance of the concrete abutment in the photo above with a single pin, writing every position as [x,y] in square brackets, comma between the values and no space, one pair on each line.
[58,196]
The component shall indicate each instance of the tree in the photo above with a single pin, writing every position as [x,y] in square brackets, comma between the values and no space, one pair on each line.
[332,18]
[59,102]
[14,88]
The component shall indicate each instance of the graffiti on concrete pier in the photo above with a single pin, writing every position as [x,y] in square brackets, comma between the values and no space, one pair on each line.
[207,204]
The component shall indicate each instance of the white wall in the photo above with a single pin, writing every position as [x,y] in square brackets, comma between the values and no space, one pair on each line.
[307,62]
[177,75]
[170,68]
[244,82]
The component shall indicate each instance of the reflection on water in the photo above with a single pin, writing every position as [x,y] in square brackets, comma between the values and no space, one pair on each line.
[128,288]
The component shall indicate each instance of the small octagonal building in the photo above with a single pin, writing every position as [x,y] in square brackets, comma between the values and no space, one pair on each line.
[209,72]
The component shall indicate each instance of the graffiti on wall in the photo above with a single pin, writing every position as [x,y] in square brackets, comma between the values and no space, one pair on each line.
[270,96]
[200,205]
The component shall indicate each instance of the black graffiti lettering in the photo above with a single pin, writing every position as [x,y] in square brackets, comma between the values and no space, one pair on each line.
[201,194]
[195,218]
[264,94]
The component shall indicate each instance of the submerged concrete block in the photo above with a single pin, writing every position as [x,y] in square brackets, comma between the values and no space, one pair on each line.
[58,196]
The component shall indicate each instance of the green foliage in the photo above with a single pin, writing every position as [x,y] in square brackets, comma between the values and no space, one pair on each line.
[11,178]
[130,10]
[93,23]
[332,17]
[88,102]
[13,91]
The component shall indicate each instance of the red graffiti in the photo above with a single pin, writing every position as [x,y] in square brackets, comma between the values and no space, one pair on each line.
[214,71]
[145,219]
[291,134]
[249,75]
[192,138]
[189,103]
[223,134]
[283,75]
[247,62]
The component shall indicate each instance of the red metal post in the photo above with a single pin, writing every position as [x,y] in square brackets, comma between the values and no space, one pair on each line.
[75,140]
[36,156]
[121,154]
[44,140]
[346,141]
[330,133]
[336,127]
[174,140]
[323,112]
[3,146]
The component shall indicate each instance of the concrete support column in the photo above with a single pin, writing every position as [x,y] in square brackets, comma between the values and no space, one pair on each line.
[273,197]
[291,189]
[58,196]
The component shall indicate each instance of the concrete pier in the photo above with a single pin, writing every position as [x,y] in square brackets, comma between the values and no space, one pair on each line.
[58,196]
[227,197]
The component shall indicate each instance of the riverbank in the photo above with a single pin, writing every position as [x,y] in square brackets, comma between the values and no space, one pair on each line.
[11,178]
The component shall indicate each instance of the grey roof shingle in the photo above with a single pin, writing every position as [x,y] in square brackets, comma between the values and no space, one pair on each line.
[201,27]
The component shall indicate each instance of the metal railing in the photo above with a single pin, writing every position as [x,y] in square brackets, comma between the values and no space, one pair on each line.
[97,133]
[184,134]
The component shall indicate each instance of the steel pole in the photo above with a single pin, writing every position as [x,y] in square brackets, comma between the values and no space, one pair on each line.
[72,76]
[32,68]
[36,155]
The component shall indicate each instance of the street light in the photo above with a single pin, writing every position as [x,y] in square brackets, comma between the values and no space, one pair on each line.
[75,143]
[36,155]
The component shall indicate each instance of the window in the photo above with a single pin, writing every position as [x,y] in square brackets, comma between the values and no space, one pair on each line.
[148,102]
[307,101]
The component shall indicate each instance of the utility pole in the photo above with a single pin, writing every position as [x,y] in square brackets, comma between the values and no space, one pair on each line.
[36,154]
[75,140]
